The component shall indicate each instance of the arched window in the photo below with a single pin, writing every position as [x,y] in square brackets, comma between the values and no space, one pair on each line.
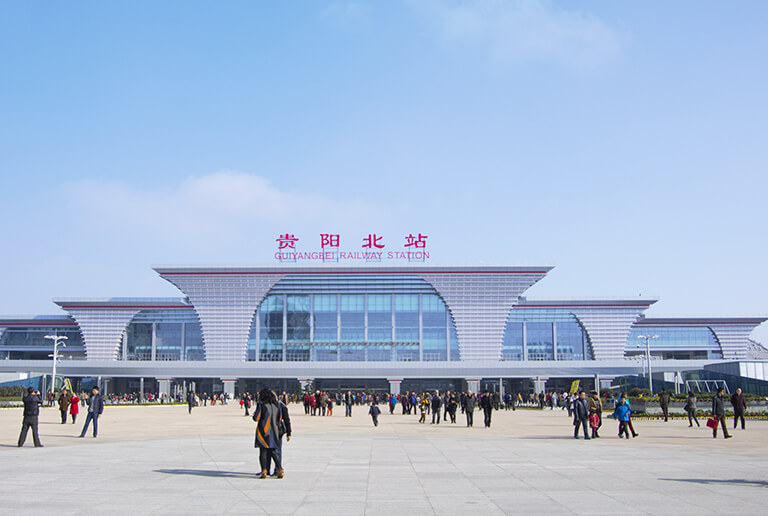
[544,334]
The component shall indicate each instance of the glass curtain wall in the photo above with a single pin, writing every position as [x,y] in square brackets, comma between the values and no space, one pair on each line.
[326,328]
[352,327]
[298,328]
[544,334]
[407,327]
[271,329]
[380,327]
[31,344]
[434,342]
[691,342]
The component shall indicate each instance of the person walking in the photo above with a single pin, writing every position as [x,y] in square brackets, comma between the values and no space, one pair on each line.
[95,409]
[348,400]
[629,413]
[664,403]
[452,406]
[739,407]
[74,408]
[595,407]
[64,400]
[267,416]
[469,408]
[283,429]
[690,408]
[436,404]
[374,412]
[247,404]
[486,403]
[718,413]
[621,413]
[191,400]
[580,415]
[32,402]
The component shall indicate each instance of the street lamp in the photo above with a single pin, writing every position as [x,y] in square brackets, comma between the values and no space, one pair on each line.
[647,339]
[56,341]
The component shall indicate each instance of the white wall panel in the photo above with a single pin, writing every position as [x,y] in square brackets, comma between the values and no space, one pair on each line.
[480,304]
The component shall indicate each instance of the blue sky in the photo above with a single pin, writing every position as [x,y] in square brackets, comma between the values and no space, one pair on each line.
[625,143]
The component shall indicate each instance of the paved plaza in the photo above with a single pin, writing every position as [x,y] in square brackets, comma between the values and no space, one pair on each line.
[160,460]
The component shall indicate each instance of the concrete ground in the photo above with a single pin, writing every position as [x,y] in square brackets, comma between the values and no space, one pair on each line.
[160,460]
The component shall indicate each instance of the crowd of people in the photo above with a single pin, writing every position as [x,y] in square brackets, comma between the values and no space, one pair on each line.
[273,422]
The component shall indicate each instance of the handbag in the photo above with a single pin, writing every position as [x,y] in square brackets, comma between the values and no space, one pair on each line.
[712,423]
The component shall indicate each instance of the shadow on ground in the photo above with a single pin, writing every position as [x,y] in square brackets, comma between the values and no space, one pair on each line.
[206,473]
[756,483]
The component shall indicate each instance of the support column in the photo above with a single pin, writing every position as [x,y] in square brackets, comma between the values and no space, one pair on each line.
[229,387]
[501,389]
[394,385]
[539,384]
[141,390]
[164,388]
[106,387]
[154,343]
[473,385]
[597,383]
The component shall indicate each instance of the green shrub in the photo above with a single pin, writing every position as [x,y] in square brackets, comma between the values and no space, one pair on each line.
[11,391]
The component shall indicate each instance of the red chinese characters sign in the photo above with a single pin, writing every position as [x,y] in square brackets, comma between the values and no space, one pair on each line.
[373,247]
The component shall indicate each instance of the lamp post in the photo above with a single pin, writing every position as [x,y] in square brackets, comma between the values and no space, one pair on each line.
[647,339]
[56,341]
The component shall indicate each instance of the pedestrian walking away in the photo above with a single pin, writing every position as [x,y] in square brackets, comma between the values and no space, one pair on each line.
[374,412]
[95,409]
[32,402]
[283,429]
[664,403]
[267,416]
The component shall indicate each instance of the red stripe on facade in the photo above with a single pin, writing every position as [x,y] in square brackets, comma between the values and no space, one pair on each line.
[38,324]
[125,307]
[689,323]
[582,306]
[196,273]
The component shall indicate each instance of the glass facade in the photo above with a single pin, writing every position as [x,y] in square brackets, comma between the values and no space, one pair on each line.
[164,335]
[352,327]
[29,343]
[544,334]
[682,343]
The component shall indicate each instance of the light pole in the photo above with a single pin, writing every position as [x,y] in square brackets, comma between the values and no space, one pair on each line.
[56,341]
[647,339]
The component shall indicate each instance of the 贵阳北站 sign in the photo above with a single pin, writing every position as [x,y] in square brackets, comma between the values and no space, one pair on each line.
[372,248]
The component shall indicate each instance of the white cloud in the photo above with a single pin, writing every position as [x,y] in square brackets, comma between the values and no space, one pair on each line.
[222,209]
[523,30]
